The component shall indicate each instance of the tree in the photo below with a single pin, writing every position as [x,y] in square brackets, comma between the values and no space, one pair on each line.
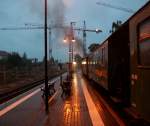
[14,60]
[93,46]
[115,26]
[24,59]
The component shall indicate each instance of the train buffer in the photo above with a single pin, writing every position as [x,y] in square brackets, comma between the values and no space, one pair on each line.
[82,108]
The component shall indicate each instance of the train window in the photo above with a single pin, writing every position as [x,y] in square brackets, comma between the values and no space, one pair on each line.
[144,43]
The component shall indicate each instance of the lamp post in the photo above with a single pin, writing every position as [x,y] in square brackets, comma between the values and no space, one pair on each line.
[70,54]
[45,59]
[70,39]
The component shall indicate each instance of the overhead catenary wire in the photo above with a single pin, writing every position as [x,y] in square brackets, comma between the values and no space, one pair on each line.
[29,26]
[20,28]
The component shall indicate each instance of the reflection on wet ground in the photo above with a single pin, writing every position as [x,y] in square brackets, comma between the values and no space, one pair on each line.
[70,111]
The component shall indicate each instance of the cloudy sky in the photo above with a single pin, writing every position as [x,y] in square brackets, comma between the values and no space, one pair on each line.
[15,13]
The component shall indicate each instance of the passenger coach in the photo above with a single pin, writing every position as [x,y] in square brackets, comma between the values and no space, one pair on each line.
[121,64]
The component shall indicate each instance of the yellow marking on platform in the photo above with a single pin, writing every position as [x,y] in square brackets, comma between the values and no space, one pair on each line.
[53,96]
[21,100]
[95,117]
[18,102]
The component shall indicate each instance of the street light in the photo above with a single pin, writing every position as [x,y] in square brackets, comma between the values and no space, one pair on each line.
[73,40]
[74,63]
[70,40]
[72,37]
[65,40]
[98,30]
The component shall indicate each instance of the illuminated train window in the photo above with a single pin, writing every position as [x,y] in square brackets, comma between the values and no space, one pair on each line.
[144,43]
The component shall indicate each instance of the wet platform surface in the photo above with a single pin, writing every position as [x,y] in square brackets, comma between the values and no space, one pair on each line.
[75,110]
[69,111]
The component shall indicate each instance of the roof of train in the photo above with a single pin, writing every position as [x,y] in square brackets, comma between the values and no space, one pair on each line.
[123,25]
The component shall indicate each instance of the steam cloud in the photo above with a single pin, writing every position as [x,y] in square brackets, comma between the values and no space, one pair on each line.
[78,48]
[56,14]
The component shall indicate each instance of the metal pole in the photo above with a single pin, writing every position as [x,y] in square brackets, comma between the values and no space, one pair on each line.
[70,58]
[46,73]
[71,38]
[50,44]
[84,38]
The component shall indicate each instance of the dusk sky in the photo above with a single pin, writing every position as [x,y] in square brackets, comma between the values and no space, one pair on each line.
[15,13]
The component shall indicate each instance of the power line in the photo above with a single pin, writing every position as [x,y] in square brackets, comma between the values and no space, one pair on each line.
[29,26]
[21,28]
[116,7]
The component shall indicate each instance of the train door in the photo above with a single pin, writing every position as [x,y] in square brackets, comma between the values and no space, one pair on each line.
[87,67]
[119,65]
[140,63]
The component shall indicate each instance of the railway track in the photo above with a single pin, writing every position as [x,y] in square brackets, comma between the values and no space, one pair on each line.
[13,93]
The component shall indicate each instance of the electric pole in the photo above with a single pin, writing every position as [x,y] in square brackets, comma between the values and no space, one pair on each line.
[50,44]
[46,73]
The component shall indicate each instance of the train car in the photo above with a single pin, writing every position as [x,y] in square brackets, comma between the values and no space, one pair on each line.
[98,65]
[109,65]
[140,61]
[121,64]
[85,66]
[90,65]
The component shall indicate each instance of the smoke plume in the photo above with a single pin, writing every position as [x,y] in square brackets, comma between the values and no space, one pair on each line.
[56,14]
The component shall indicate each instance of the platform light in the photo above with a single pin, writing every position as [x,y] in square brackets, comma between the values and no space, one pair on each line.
[64,40]
[97,30]
[73,40]
[74,63]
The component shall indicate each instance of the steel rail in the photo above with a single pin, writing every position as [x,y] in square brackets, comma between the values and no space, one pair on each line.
[20,90]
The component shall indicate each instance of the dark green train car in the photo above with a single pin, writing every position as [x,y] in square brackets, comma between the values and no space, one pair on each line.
[121,64]
[140,61]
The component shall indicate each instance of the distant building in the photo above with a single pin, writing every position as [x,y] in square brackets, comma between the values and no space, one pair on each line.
[4,54]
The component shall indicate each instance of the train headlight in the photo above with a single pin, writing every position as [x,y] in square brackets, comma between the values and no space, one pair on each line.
[84,62]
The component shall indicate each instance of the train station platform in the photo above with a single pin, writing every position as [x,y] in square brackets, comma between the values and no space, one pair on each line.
[84,107]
